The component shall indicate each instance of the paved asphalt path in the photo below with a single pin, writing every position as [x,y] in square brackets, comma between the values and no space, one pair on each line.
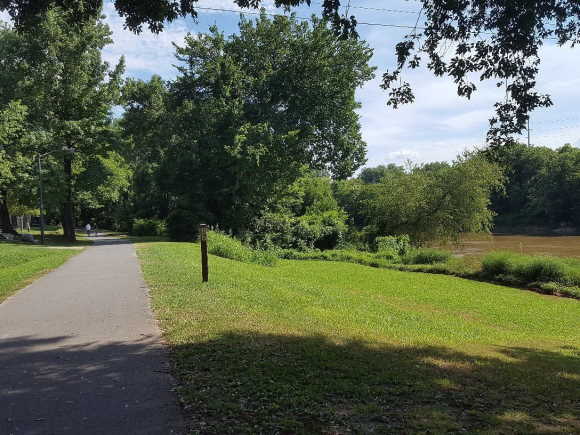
[80,352]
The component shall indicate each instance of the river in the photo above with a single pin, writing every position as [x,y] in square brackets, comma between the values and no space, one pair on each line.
[562,246]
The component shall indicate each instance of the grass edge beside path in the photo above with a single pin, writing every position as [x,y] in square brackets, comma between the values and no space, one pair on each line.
[323,347]
[21,265]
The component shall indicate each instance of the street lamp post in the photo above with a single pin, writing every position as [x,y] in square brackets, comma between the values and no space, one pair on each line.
[41,199]
[41,192]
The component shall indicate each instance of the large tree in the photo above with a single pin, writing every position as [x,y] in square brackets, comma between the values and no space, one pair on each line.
[497,39]
[248,112]
[253,109]
[146,124]
[428,202]
[69,91]
[15,164]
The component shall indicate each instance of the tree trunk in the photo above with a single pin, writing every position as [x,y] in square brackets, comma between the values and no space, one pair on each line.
[5,222]
[68,226]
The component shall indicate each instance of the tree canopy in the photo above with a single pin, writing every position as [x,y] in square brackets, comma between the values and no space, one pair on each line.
[57,73]
[427,202]
[497,40]
[542,188]
[247,113]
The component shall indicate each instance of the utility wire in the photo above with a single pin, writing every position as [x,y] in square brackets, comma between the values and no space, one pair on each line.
[362,23]
[394,11]
[347,9]
[400,26]
[368,8]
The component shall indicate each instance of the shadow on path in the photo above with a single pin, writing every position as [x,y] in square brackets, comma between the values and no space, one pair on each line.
[48,386]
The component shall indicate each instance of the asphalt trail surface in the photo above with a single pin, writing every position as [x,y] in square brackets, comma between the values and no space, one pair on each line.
[80,352]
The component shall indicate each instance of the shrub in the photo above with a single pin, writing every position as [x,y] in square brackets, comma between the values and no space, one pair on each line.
[182,225]
[426,256]
[527,269]
[222,245]
[148,227]
[497,263]
[271,229]
[323,230]
[344,255]
[542,269]
[399,245]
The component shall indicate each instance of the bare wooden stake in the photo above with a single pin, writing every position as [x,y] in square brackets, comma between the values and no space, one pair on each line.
[203,240]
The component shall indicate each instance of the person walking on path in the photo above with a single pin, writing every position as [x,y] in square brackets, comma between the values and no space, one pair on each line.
[88,229]
[81,353]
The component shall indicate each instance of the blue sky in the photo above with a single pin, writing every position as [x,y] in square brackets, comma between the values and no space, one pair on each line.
[438,126]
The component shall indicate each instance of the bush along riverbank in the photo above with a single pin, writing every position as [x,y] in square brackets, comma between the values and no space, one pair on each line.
[544,274]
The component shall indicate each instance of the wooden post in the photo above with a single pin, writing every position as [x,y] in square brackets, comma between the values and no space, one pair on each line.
[203,240]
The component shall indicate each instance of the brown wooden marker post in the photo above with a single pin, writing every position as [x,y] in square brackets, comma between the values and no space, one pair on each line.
[203,240]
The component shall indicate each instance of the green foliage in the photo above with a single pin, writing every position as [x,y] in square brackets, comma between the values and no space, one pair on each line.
[225,246]
[69,91]
[306,216]
[182,225]
[145,127]
[498,263]
[15,156]
[542,188]
[321,231]
[393,247]
[344,255]
[248,112]
[426,256]
[527,270]
[148,227]
[428,203]
[510,56]
[382,259]
[376,174]
[102,180]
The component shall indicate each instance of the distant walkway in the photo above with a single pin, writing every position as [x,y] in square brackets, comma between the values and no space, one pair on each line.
[80,352]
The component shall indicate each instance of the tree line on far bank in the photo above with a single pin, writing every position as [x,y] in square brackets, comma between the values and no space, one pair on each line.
[542,190]
[258,135]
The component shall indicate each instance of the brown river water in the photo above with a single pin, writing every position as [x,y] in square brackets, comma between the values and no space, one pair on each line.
[562,246]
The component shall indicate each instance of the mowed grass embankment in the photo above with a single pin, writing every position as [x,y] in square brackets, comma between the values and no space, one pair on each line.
[329,347]
[22,264]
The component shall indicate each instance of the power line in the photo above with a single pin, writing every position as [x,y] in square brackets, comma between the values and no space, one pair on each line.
[362,23]
[368,8]
[394,11]
[400,26]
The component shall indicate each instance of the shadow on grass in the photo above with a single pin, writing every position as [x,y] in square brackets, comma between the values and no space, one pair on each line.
[252,383]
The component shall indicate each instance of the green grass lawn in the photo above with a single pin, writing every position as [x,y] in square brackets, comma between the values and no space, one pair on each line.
[22,264]
[329,347]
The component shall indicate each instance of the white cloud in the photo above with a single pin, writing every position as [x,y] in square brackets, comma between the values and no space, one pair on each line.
[438,126]
[403,155]
[146,53]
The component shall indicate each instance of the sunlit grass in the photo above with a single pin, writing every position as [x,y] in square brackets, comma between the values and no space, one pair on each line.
[21,264]
[313,347]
